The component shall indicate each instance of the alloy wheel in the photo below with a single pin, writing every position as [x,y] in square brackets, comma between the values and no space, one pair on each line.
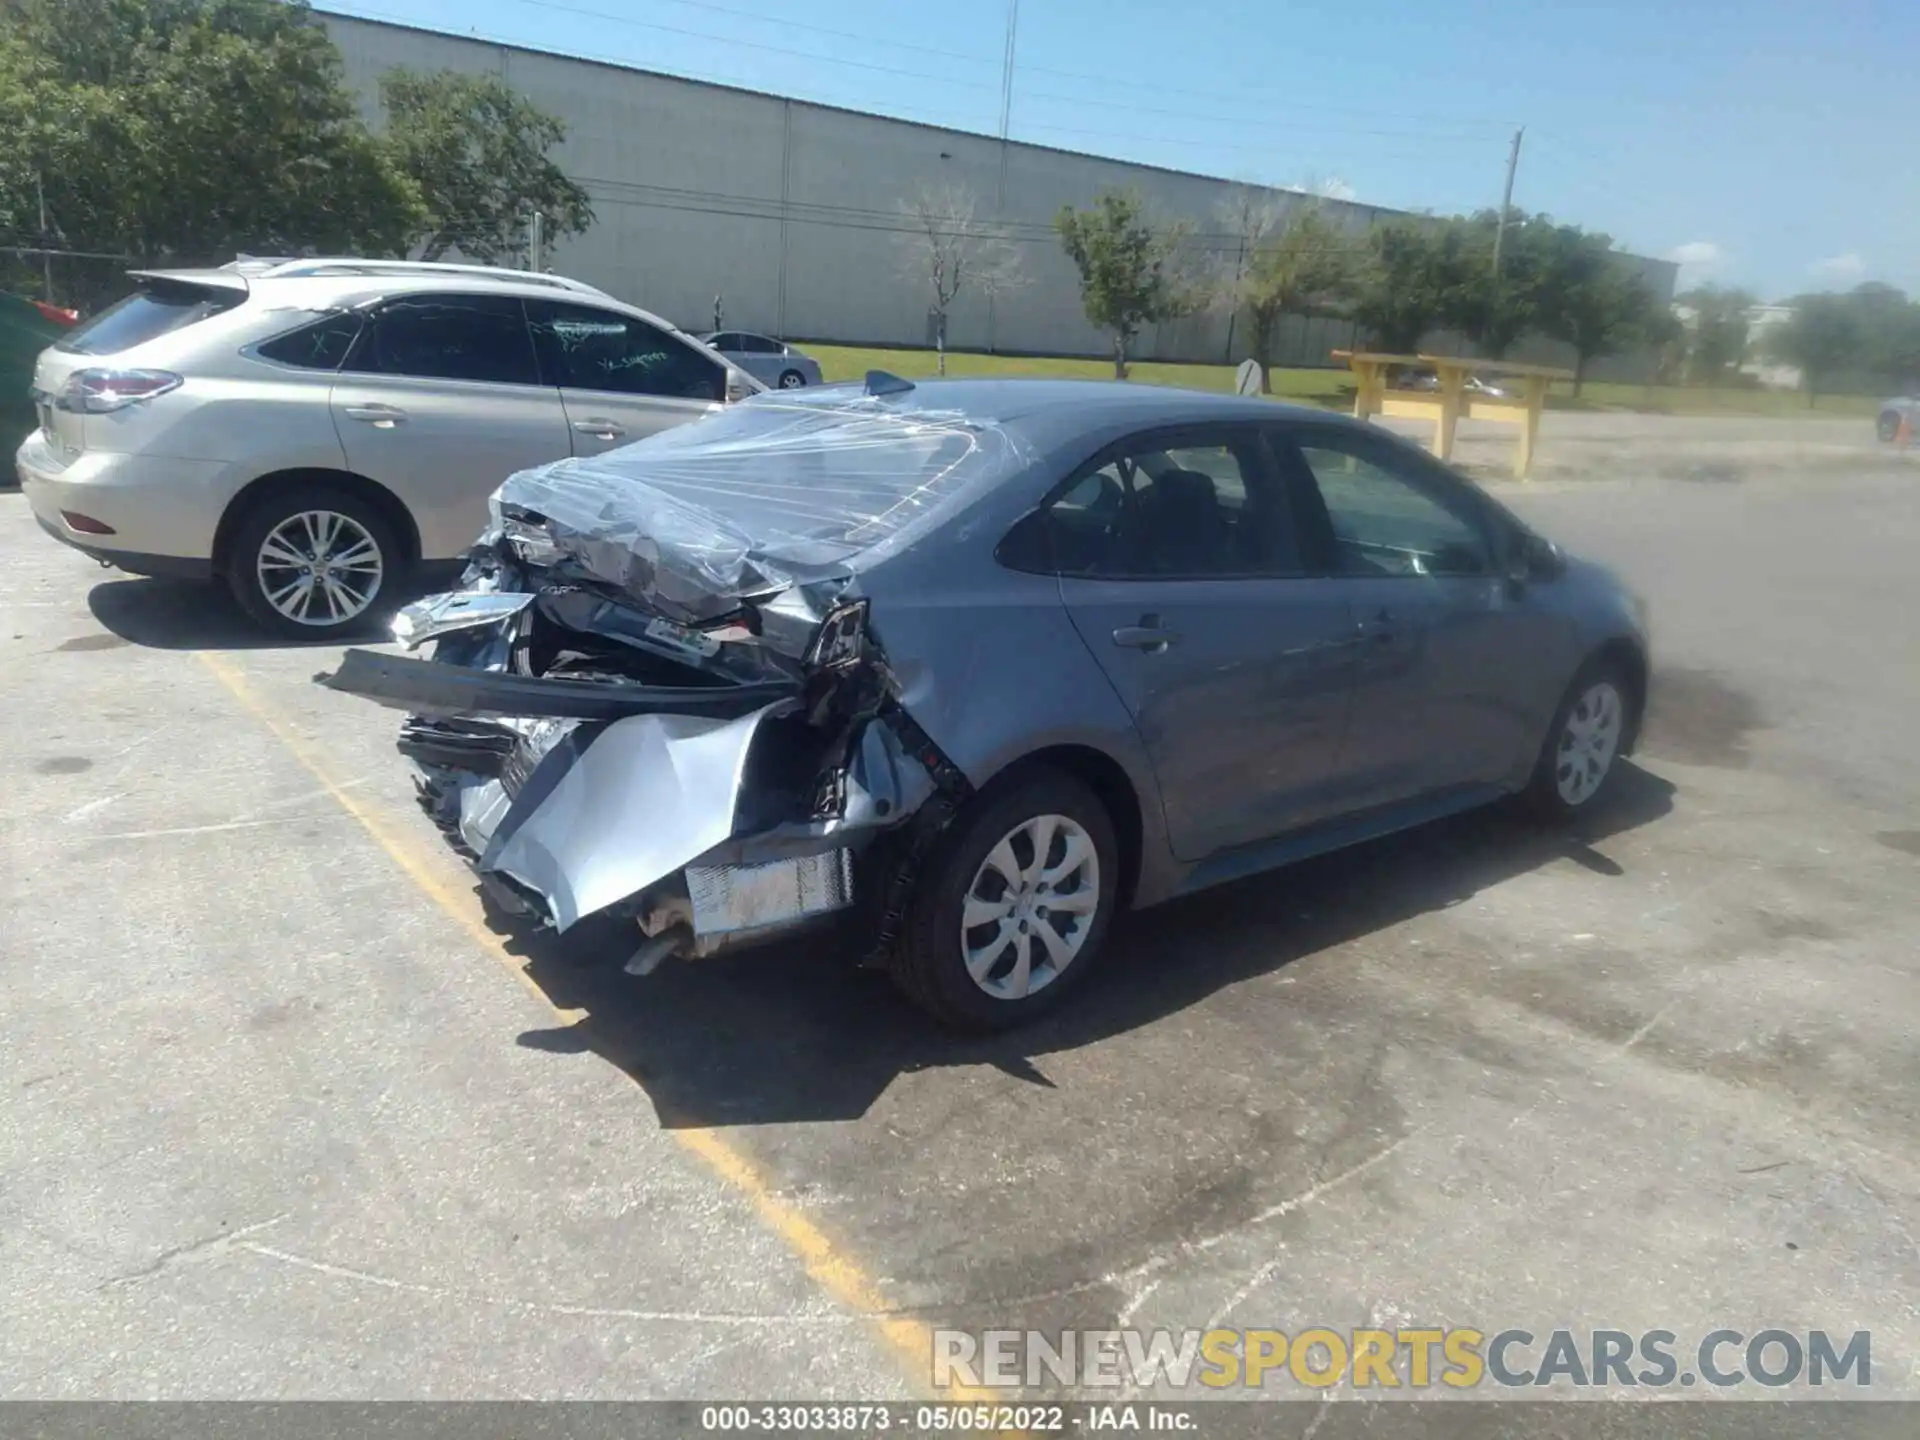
[1588,743]
[320,568]
[1030,907]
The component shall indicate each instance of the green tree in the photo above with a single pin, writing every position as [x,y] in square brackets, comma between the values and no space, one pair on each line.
[1495,309]
[477,151]
[187,130]
[1128,270]
[1591,298]
[1300,264]
[1823,337]
[1411,281]
[1717,334]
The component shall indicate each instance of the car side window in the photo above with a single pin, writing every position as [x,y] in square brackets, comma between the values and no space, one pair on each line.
[584,348]
[1387,517]
[727,341]
[759,345]
[1195,507]
[449,337]
[323,345]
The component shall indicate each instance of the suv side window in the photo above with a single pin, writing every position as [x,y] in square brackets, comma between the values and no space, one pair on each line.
[1388,517]
[323,345]
[584,348]
[1196,505]
[449,337]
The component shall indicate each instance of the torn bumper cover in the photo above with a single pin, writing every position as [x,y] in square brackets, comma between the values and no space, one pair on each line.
[659,696]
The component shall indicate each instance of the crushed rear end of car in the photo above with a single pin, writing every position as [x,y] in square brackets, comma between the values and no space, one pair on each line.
[662,693]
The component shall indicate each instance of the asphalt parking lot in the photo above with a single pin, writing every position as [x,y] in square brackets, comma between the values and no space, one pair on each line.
[285,1117]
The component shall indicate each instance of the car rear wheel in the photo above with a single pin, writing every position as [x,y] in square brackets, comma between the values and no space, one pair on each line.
[1582,748]
[1013,906]
[311,561]
[791,380]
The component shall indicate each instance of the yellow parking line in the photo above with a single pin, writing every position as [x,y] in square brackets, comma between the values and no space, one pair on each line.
[827,1263]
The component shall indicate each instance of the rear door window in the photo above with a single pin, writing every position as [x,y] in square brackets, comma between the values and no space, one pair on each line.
[449,337]
[147,314]
[1199,505]
[586,348]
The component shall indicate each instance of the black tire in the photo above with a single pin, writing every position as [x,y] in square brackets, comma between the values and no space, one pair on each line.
[1544,794]
[928,962]
[792,380]
[1888,427]
[266,515]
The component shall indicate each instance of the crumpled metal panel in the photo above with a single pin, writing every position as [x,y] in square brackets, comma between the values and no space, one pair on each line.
[766,495]
[436,615]
[644,797]
[733,900]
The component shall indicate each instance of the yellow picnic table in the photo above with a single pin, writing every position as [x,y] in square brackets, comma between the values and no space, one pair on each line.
[1452,401]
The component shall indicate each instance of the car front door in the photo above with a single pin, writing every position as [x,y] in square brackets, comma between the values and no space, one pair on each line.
[1440,694]
[620,378]
[1181,563]
[440,400]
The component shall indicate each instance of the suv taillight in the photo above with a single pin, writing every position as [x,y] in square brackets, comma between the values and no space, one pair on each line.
[98,391]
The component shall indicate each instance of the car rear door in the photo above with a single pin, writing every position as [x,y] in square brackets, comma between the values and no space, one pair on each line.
[621,378]
[1445,645]
[1181,564]
[440,400]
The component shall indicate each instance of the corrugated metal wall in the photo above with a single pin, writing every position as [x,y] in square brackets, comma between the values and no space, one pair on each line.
[792,211]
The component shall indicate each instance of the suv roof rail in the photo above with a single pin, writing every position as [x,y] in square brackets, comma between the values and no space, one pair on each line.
[347,265]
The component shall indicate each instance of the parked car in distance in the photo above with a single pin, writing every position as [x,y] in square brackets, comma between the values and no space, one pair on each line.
[1892,412]
[772,362]
[974,666]
[307,431]
[1428,381]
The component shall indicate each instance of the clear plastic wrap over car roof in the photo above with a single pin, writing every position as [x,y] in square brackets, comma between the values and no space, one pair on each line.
[760,496]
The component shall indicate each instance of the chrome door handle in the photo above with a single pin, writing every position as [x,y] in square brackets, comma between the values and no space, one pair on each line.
[1148,637]
[600,429]
[383,417]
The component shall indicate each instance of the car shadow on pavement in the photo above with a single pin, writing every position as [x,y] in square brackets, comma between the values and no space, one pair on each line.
[176,615]
[183,615]
[796,1033]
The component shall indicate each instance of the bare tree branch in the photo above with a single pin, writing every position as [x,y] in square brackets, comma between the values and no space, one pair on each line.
[947,247]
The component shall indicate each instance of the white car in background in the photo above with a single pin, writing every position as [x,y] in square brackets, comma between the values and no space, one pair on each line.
[1892,412]
[772,362]
[308,431]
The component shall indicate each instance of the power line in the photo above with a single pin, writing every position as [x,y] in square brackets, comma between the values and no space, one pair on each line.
[928,117]
[555,6]
[1288,126]
[963,56]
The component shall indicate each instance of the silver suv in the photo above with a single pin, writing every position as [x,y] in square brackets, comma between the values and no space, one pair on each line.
[310,430]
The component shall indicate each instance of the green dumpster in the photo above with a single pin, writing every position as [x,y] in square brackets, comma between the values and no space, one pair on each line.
[25,330]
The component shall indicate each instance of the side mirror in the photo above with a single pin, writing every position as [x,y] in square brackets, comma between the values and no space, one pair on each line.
[1531,557]
[738,386]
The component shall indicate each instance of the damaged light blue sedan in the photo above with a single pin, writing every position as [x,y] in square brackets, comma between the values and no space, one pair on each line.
[976,665]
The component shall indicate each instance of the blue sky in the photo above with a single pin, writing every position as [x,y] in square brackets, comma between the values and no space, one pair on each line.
[1765,143]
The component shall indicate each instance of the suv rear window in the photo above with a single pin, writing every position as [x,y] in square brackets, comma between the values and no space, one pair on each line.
[147,314]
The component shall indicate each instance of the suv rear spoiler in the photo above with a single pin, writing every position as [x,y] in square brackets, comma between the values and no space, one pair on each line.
[227,280]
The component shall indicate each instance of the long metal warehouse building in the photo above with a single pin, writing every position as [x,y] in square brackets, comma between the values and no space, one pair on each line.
[792,211]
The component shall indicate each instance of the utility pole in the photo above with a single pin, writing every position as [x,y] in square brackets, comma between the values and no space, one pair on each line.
[1006,122]
[1506,200]
[46,250]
